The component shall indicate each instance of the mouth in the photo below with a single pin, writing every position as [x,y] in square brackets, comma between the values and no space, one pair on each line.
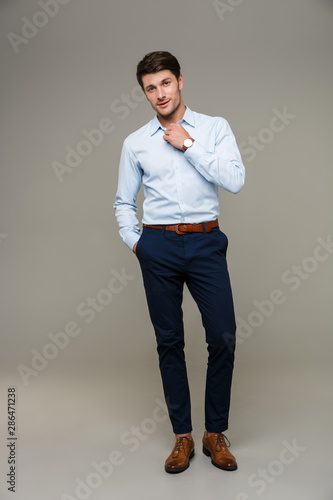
[163,104]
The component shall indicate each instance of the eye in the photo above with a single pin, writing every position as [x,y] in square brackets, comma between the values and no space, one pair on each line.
[166,83]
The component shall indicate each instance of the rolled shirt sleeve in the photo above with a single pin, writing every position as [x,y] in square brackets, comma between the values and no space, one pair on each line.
[224,166]
[129,183]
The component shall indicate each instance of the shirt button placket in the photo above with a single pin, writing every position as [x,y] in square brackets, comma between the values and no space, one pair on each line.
[180,193]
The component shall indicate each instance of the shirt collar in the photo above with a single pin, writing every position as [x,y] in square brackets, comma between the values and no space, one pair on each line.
[188,118]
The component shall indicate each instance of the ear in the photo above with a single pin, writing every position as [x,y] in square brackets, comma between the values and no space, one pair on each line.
[180,82]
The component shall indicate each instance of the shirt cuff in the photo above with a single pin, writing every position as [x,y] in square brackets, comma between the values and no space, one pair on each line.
[131,238]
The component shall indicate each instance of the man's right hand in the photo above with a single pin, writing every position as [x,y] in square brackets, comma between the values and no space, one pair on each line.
[134,248]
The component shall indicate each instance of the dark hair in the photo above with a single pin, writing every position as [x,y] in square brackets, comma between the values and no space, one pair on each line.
[157,61]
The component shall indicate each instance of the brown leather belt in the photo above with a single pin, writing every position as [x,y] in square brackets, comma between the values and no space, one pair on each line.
[187,228]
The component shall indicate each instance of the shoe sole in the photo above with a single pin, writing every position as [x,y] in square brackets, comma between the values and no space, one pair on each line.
[176,471]
[208,454]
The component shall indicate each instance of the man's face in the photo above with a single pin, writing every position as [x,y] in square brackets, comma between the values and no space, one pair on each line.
[163,91]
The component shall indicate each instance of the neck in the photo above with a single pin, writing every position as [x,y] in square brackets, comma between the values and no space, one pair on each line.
[175,117]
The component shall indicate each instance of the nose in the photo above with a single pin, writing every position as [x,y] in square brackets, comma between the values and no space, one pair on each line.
[160,93]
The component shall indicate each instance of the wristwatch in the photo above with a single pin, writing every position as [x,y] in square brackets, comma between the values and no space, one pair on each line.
[187,143]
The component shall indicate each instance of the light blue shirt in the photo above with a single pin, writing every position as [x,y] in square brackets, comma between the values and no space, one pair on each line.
[179,187]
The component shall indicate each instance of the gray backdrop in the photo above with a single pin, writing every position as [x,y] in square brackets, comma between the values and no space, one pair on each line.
[77,345]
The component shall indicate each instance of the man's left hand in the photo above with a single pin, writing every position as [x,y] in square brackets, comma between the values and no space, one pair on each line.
[175,134]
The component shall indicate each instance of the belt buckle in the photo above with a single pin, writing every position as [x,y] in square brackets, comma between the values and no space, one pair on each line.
[180,231]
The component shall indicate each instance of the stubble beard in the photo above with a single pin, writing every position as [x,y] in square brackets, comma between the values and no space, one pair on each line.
[167,114]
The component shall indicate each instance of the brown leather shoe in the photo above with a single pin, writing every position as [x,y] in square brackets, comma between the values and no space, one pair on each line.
[179,459]
[215,446]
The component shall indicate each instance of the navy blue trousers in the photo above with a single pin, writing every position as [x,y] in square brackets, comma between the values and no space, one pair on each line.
[168,260]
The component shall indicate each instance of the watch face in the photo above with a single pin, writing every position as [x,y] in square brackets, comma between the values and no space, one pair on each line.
[188,143]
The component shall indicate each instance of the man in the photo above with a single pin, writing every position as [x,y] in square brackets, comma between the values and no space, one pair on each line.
[182,157]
